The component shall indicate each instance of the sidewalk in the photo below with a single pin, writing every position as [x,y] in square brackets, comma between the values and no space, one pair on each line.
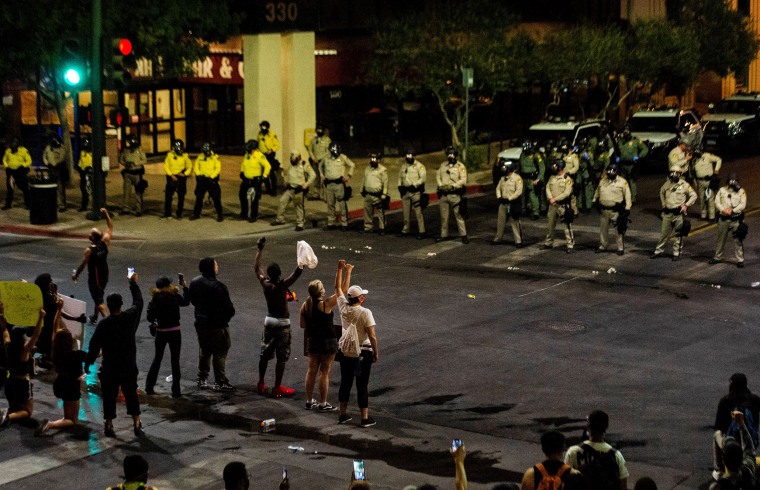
[72,223]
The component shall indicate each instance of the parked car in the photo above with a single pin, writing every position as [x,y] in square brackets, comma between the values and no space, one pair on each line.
[660,128]
[733,124]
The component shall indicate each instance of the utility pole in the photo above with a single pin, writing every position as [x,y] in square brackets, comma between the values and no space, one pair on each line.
[468,80]
[98,114]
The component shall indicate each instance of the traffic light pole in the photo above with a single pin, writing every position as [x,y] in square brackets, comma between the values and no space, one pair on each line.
[98,113]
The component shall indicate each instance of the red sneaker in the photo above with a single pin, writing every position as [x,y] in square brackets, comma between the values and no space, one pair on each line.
[261,388]
[280,391]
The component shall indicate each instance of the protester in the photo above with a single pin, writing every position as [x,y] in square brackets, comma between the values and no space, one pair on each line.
[163,311]
[321,343]
[553,467]
[276,335]
[360,324]
[236,476]
[5,338]
[645,483]
[213,312]
[738,459]
[739,397]
[96,260]
[602,465]
[460,475]
[115,337]
[135,474]
[67,386]
[20,364]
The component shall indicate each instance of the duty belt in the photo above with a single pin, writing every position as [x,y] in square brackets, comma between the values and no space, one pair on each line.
[671,210]
[703,178]
[732,217]
[339,180]
[611,208]
[531,175]
[376,194]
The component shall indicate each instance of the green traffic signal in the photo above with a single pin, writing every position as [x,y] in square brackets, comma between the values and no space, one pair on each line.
[72,77]
[72,64]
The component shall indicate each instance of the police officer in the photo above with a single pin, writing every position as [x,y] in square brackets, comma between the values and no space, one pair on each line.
[298,180]
[254,170]
[133,159]
[558,192]
[207,169]
[319,149]
[705,167]
[411,187]
[375,192]
[532,169]
[178,167]
[676,195]
[584,184]
[691,135]
[17,162]
[632,149]
[268,145]
[54,158]
[452,181]
[679,158]
[614,197]
[84,167]
[730,203]
[509,191]
[336,171]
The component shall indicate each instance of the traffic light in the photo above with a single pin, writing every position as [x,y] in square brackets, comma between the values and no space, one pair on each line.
[123,60]
[119,117]
[84,115]
[73,67]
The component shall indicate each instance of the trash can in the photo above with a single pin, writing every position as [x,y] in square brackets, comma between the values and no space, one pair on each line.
[43,202]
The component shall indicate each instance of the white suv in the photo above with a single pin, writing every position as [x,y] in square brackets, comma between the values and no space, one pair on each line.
[659,128]
[734,123]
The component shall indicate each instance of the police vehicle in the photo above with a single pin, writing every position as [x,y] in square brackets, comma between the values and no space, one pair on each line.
[734,123]
[660,128]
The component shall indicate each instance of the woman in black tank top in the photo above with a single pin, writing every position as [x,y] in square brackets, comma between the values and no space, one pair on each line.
[18,386]
[320,343]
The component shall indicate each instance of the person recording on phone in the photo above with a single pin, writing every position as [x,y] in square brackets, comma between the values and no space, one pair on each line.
[738,458]
[163,311]
[115,337]
[354,316]
[96,260]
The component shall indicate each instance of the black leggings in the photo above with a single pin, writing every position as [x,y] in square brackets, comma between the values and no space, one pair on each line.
[174,339]
[358,367]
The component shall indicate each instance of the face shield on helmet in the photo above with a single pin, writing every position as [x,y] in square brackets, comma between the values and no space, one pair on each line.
[86,143]
[334,149]
[674,175]
[374,160]
[612,172]
[251,145]
[558,166]
[132,141]
[526,146]
[179,147]
[264,126]
[506,167]
[206,149]
[564,146]
[409,157]
[733,182]
[320,130]
[451,155]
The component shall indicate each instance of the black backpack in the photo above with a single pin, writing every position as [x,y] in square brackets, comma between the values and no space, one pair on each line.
[600,469]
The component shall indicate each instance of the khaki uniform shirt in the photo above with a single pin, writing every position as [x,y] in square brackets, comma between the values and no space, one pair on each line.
[450,177]
[319,148]
[559,187]
[572,163]
[177,164]
[412,175]
[376,179]
[133,158]
[677,160]
[255,164]
[707,165]
[510,187]
[675,195]
[611,192]
[332,168]
[729,198]
[299,174]
[52,157]
[21,158]
[208,166]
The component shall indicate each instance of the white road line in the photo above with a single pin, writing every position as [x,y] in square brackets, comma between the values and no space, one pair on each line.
[549,287]
[436,248]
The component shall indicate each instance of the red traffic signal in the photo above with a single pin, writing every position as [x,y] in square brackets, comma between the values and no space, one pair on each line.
[124,46]
[119,117]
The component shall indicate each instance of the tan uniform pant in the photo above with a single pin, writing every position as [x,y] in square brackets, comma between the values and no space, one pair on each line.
[298,204]
[337,210]
[671,226]
[411,200]
[372,204]
[609,217]
[706,206]
[130,181]
[553,214]
[501,222]
[450,203]
[724,226]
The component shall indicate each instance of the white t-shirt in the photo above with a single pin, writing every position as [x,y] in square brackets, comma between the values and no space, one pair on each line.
[359,314]
[571,457]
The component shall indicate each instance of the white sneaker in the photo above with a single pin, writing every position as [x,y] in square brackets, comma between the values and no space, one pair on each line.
[311,404]
[716,475]
[42,428]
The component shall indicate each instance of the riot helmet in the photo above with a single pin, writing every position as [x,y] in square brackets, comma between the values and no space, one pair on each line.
[506,166]
[612,171]
[55,141]
[295,157]
[409,157]
[374,159]
[334,149]
[132,141]
[320,130]
[674,175]
[733,182]
[14,145]
[264,126]
[179,147]
[626,134]
[527,146]
[206,149]
[87,143]
[564,146]
[451,155]
[558,166]
[251,145]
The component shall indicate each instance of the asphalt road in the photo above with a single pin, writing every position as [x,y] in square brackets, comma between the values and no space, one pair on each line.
[490,344]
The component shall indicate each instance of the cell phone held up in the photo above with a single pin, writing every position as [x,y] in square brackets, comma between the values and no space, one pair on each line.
[130,272]
[359,470]
[455,444]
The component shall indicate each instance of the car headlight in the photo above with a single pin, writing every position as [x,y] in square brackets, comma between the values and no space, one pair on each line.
[735,128]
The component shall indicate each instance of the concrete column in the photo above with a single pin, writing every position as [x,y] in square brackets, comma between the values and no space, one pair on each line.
[298,90]
[753,80]
[262,89]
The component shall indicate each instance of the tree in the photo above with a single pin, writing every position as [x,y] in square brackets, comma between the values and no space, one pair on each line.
[171,33]
[425,52]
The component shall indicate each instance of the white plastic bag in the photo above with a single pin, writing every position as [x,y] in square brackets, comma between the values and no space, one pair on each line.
[305,256]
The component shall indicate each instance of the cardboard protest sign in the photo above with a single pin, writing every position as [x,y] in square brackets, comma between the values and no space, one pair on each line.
[74,307]
[22,302]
